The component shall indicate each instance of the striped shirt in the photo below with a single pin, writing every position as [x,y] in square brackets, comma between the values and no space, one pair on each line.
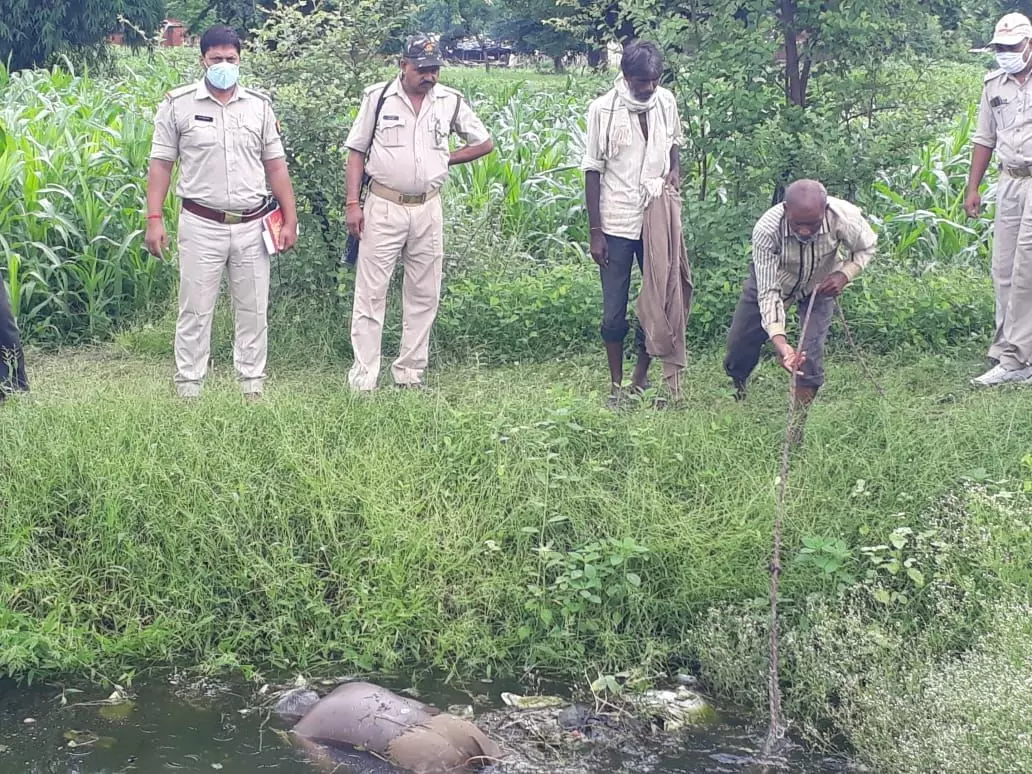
[788,270]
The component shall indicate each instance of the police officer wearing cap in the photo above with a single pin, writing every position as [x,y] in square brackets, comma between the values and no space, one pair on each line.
[227,141]
[400,139]
[1005,126]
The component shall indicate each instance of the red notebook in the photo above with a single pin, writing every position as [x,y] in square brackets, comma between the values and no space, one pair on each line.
[272,225]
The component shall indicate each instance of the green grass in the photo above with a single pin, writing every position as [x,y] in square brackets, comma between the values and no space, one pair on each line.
[318,525]
[458,529]
[507,520]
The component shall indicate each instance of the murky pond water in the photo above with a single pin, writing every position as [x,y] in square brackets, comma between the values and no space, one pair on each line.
[173,726]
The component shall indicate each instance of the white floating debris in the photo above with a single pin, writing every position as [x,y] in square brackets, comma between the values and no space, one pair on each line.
[532,702]
[675,709]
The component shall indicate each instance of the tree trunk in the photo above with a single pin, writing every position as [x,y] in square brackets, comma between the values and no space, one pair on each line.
[795,86]
[559,64]
[797,76]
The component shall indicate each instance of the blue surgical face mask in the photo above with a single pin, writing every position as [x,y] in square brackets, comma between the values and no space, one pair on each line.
[224,75]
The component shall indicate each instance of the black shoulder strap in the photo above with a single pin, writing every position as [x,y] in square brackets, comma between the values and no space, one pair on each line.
[455,114]
[376,118]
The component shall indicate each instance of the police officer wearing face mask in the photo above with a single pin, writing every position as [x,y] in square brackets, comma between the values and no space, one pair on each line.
[227,141]
[1005,125]
[809,246]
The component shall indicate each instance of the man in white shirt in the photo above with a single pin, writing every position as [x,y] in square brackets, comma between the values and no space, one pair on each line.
[634,136]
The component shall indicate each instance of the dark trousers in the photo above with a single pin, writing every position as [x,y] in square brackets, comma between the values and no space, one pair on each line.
[12,359]
[616,286]
[746,337]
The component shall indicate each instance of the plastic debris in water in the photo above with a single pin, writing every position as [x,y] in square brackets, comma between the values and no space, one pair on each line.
[675,709]
[532,702]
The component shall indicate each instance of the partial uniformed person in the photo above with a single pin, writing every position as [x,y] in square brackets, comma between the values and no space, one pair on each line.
[1005,126]
[227,141]
[400,139]
[12,358]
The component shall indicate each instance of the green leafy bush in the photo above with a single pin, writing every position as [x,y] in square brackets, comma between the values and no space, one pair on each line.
[73,160]
[316,64]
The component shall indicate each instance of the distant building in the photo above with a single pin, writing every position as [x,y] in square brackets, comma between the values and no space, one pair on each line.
[475,51]
[173,35]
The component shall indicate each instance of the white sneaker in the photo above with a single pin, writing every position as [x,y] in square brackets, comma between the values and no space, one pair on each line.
[1000,375]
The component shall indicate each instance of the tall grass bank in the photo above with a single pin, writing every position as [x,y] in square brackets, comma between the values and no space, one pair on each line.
[508,521]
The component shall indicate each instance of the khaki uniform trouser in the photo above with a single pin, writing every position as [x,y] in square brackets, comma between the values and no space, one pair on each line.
[1012,272]
[206,249]
[416,234]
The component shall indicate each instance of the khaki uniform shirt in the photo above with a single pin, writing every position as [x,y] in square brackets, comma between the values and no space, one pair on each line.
[1005,119]
[788,270]
[409,153]
[220,148]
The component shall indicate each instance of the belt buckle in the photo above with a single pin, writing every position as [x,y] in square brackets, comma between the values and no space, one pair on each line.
[412,198]
[232,217]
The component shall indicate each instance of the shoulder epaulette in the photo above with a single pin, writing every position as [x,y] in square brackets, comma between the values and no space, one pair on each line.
[258,93]
[181,91]
[994,74]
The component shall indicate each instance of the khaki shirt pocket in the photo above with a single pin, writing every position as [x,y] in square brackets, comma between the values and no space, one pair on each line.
[1005,115]
[439,132]
[200,135]
[391,131]
[247,133]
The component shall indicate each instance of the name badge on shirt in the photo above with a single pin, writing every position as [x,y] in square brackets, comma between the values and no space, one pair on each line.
[207,119]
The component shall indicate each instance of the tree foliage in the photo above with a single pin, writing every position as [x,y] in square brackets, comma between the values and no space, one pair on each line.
[779,89]
[316,64]
[457,19]
[535,26]
[33,32]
